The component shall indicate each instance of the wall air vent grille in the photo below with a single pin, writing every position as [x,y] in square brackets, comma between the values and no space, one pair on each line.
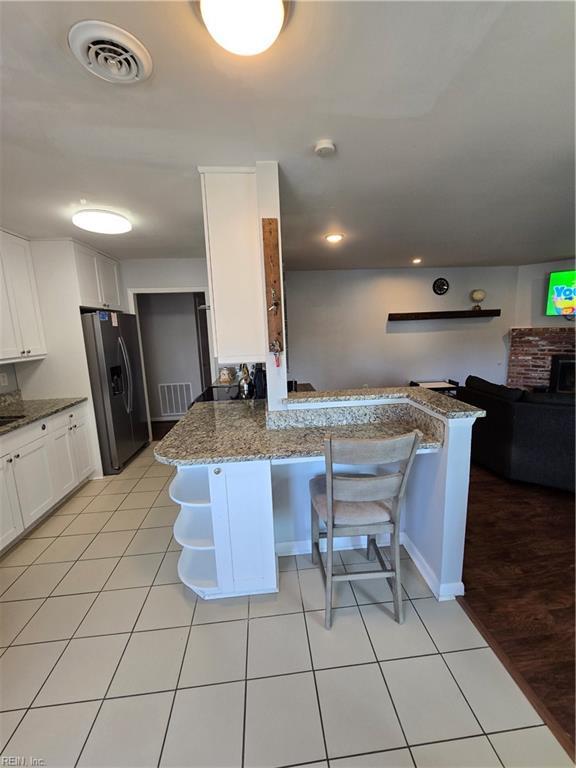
[110,52]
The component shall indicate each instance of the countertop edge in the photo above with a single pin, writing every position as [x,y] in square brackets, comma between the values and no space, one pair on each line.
[50,411]
[434,401]
[428,447]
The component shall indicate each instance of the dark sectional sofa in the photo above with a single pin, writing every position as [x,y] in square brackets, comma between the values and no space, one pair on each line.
[527,436]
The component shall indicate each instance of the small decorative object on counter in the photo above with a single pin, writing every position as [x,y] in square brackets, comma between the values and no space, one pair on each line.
[226,375]
[478,295]
[246,385]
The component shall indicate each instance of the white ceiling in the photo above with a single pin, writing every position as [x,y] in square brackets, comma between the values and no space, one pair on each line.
[454,123]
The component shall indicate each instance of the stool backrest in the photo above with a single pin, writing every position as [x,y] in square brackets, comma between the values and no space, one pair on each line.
[391,486]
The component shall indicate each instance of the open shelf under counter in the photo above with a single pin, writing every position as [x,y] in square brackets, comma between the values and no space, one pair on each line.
[197,569]
[191,487]
[193,528]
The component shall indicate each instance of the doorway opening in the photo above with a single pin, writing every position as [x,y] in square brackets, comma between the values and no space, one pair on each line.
[175,352]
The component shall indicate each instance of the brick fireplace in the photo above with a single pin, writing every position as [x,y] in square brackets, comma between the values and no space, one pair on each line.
[531,352]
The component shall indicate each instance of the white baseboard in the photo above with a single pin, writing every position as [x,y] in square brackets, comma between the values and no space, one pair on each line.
[447,591]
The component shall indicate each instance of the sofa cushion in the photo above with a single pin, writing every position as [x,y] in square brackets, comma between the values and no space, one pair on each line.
[496,390]
[549,398]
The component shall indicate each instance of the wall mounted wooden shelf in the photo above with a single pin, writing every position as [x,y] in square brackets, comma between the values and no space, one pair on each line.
[449,315]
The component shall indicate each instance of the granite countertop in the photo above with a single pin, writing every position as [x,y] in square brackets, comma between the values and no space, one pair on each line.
[29,411]
[445,406]
[214,433]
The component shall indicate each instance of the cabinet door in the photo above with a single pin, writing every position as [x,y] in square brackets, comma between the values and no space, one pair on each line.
[235,266]
[87,271]
[62,462]
[33,476]
[10,340]
[22,293]
[10,518]
[108,281]
[81,447]
[250,525]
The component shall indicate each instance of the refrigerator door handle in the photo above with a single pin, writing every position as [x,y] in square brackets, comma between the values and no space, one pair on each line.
[128,402]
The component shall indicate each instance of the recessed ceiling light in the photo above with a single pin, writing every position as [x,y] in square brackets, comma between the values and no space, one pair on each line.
[416,261]
[334,237]
[103,222]
[244,27]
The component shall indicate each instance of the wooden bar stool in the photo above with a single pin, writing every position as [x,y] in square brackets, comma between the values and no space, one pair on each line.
[362,505]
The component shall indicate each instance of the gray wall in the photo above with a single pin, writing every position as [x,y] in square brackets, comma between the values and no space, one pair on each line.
[169,342]
[12,384]
[339,335]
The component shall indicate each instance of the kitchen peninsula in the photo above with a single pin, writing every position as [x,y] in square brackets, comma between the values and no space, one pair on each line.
[243,473]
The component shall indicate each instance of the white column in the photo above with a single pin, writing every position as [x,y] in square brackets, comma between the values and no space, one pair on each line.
[268,192]
[436,508]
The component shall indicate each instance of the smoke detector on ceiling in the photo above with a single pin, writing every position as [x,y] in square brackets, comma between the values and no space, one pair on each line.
[109,52]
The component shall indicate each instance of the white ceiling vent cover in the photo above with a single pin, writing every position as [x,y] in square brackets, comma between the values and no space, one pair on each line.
[109,52]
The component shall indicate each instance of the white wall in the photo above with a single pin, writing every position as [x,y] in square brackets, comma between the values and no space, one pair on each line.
[531,293]
[169,343]
[339,335]
[144,274]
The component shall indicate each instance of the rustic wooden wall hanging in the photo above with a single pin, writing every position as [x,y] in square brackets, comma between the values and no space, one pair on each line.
[273,286]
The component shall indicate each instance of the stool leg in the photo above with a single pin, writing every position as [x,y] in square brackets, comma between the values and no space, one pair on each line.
[370,554]
[396,583]
[329,559]
[315,536]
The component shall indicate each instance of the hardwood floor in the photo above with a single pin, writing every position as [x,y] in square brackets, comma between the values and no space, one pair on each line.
[161,428]
[519,579]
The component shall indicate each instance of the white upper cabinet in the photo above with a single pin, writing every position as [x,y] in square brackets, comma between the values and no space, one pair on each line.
[87,272]
[21,334]
[235,268]
[98,279]
[109,282]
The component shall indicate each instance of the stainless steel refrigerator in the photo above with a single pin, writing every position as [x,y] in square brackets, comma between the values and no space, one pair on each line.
[117,384]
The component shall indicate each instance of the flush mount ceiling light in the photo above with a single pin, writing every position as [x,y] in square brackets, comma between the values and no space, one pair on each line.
[243,27]
[416,261]
[103,222]
[334,237]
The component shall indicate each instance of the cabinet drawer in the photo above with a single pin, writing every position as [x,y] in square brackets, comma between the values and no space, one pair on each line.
[20,437]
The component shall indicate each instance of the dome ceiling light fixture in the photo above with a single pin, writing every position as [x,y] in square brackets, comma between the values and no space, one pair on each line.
[243,27]
[334,237]
[102,222]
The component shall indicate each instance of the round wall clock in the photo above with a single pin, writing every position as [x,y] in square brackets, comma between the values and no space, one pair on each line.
[440,286]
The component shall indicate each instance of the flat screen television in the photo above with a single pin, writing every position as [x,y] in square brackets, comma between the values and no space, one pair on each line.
[562,293]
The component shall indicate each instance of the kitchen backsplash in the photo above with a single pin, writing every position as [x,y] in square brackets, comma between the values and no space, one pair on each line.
[8,374]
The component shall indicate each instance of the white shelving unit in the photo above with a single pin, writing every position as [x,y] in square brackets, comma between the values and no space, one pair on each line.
[226,534]
[193,530]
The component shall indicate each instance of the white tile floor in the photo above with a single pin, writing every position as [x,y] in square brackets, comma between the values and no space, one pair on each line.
[107,660]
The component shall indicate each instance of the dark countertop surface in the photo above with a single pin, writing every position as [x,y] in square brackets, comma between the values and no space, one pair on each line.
[214,433]
[29,411]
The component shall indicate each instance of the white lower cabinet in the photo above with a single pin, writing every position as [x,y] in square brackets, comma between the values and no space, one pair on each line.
[41,464]
[10,518]
[63,461]
[83,463]
[225,528]
[33,477]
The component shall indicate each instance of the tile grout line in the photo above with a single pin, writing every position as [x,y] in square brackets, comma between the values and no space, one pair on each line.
[318,703]
[243,755]
[161,752]
[456,682]
[382,672]
[66,644]
[130,634]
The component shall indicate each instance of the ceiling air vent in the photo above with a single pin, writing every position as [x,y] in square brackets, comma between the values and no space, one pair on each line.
[109,52]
